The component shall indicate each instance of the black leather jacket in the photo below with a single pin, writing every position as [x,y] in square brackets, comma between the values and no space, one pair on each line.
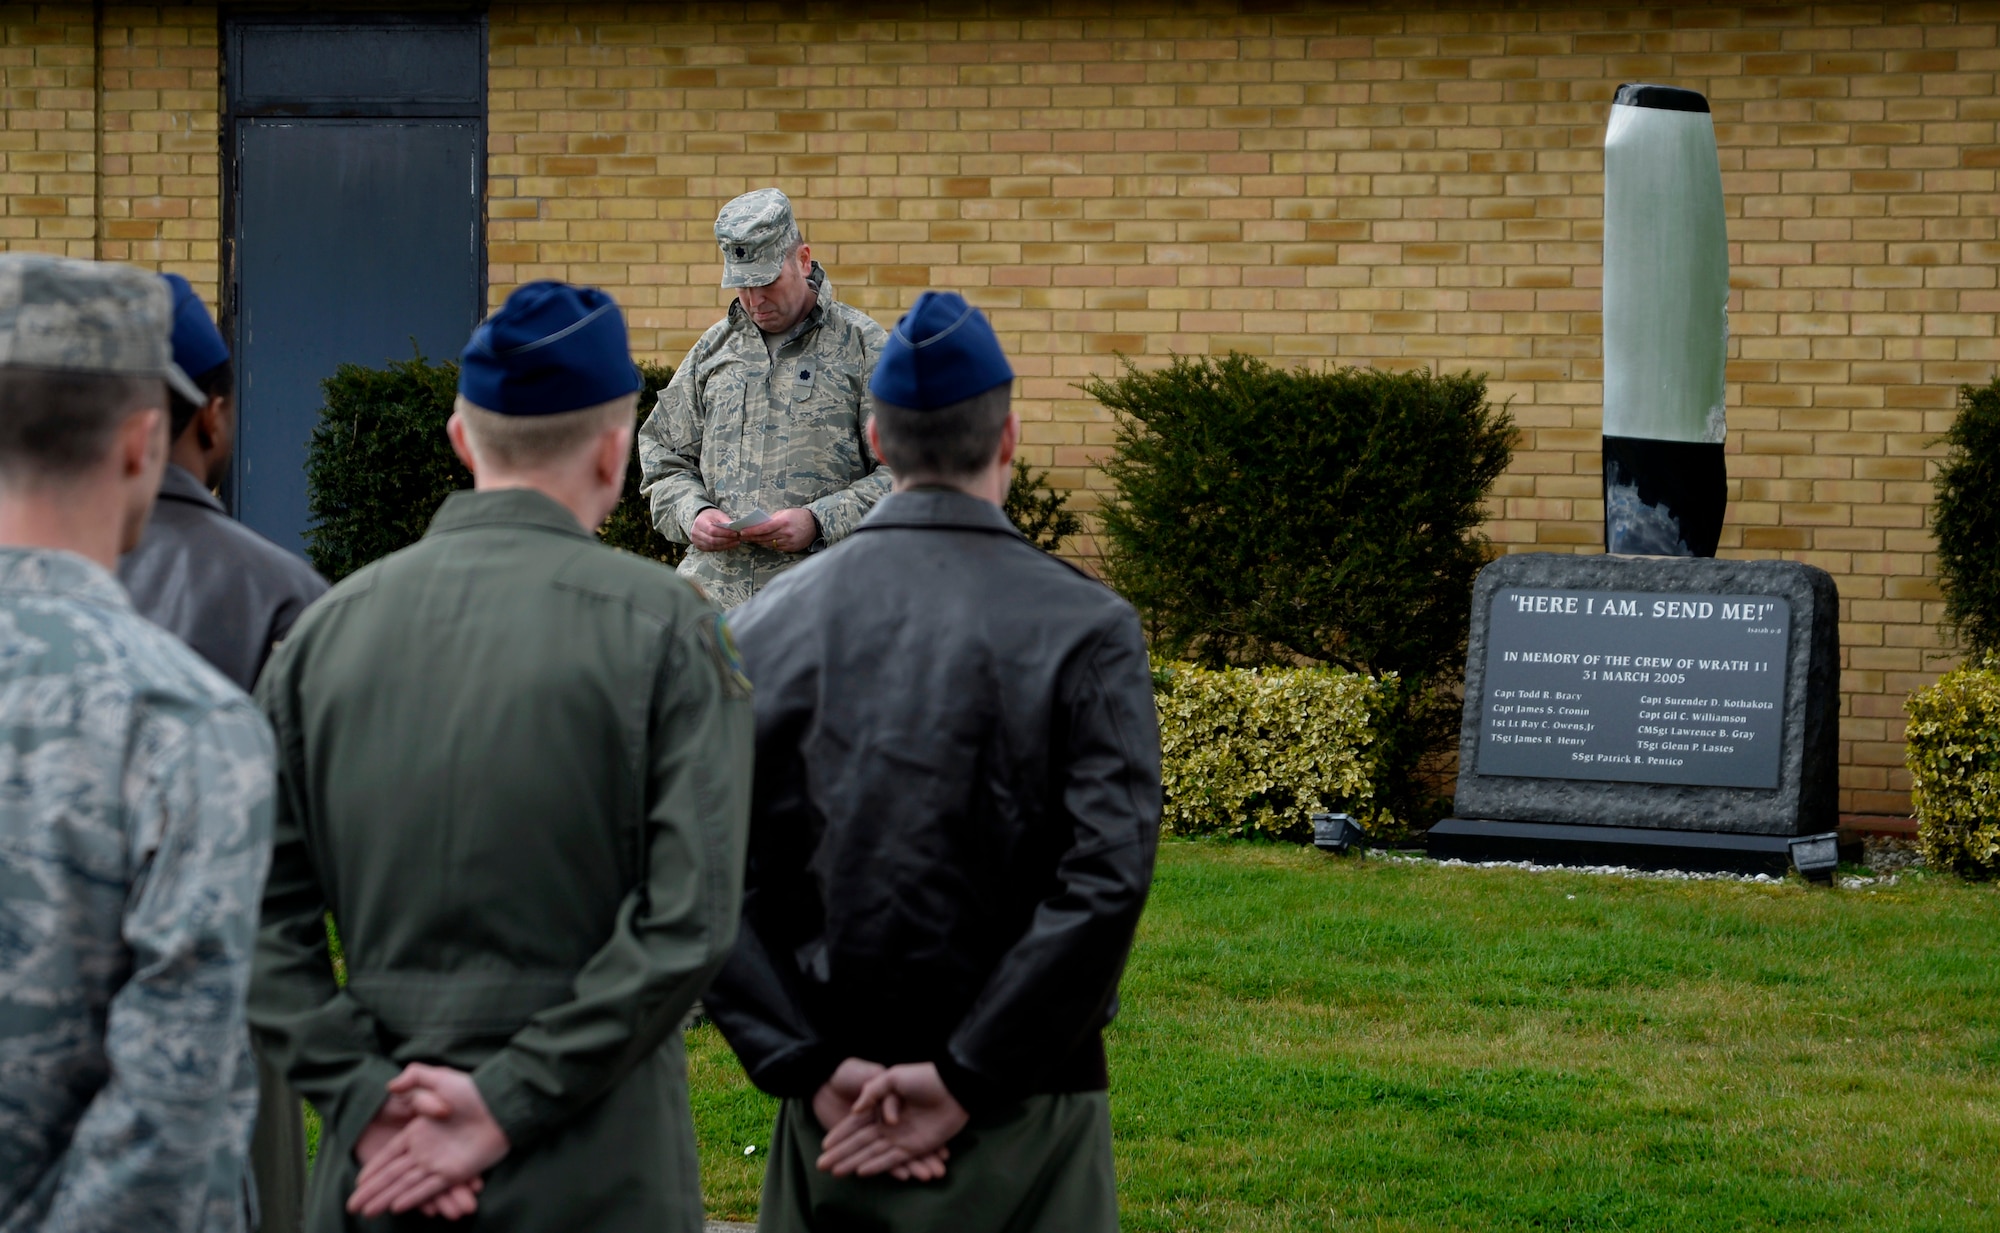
[956,809]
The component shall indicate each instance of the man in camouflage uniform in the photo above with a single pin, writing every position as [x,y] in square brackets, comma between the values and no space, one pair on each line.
[765,415]
[135,795]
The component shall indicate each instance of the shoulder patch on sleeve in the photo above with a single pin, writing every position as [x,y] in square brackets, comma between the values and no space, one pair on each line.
[728,660]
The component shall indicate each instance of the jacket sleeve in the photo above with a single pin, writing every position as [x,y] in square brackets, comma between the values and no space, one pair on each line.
[144,1153]
[1056,984]
[756,1002]
[324,1041]
[676,927]
[670,451]
[838,513]
[756,999]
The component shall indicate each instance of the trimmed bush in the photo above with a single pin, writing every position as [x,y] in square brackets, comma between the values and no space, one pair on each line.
[1039,510]
[1954,760]
[1966,520]
[379,462]
[1250,752]
[379,466]
[630,525]
[1268,516]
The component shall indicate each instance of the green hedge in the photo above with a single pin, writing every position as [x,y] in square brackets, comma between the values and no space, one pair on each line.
[1954,759]
[1953,739]
[1267,516]
[1966,520]
[1250,752]
[1041,512]
[379,465]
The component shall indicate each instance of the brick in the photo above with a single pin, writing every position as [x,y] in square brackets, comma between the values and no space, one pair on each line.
[1398,188]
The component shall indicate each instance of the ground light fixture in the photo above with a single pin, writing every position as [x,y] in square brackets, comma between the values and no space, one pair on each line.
[1816,856]
[1336,832]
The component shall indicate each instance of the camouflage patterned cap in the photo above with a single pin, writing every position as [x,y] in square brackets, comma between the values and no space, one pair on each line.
[90,317]
[753,232]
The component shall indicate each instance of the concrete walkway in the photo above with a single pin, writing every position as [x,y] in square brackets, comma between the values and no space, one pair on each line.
[718,1226]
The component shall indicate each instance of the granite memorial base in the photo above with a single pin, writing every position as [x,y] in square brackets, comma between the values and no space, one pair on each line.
[1630,847]
[1657,712]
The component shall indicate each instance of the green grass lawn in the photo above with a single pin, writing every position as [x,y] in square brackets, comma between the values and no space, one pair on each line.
[1312,1043]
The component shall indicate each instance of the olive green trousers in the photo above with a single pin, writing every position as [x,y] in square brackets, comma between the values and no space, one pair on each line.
[278,1151]
[1043,1166]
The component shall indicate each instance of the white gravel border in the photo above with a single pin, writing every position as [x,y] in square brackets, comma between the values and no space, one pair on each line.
[1620,871]
[1616,871]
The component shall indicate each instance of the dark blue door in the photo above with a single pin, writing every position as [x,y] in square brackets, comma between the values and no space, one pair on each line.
[358,237]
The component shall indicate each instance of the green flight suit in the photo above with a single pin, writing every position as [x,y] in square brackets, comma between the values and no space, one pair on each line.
[1042,1165]
[514,764]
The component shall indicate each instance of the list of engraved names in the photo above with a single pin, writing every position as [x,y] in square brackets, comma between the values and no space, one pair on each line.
[1645,687]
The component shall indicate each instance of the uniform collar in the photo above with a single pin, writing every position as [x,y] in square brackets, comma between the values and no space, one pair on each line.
[518,507]
[51,571]
[938,509]
[823,300]
[179,484]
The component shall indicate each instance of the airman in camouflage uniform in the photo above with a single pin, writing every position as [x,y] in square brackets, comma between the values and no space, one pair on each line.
[135,797]
[766,413]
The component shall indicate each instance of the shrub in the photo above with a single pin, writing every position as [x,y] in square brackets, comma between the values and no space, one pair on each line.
[1954,760]
[1252,751]
[379,465]
[379,462]
[630,525]
[1039,510]
[1265,515]
[1966,519]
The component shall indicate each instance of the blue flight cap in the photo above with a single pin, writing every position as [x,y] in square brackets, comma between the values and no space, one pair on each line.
[551,348]
[198,345]
[941,352]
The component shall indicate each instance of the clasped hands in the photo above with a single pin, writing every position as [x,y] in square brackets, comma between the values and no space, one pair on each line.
[787,530]
[886,1119]
[427,1147]
[433,1138]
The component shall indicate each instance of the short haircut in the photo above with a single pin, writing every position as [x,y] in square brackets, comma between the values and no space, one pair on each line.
[57,425]
[516,442]
[953,442]
[217,382]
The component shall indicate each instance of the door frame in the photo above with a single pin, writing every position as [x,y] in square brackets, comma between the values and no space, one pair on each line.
[230,22]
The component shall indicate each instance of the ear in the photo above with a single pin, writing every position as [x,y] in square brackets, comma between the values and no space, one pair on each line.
[1010,440]
[454,428]
[874,438]
[614,456]
[208,424]
[805,258]
[142,438]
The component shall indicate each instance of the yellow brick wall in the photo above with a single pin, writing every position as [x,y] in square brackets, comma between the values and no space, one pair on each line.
[1396,185]
[109,147]
[1405,184]
[48,145]
[162,177]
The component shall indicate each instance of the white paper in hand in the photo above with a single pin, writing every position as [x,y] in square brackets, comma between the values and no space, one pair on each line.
[754,518]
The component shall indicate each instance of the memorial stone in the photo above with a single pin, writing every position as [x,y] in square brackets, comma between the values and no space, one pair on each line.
[1646,694]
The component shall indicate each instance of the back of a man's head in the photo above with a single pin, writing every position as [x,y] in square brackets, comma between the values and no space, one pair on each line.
[56,426]
[941,393]
[948,445]
[529,443]
[545,376]
[217,382]
[200,352]
[83,347]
